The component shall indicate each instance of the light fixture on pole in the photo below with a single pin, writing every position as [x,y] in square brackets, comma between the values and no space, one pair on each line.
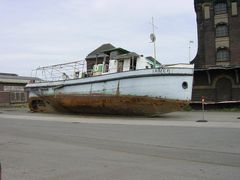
[189,50]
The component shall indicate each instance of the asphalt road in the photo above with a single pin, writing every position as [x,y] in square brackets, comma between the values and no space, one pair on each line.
[172,147]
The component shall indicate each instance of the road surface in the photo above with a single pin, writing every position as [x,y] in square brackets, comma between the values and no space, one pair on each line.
[35,146]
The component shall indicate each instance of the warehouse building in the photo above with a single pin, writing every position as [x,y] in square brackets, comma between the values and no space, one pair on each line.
[12,88]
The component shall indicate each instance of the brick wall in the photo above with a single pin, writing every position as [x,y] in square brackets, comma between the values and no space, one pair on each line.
[236,94]
[201,86]
[206,55]
[234,23]
[209,94]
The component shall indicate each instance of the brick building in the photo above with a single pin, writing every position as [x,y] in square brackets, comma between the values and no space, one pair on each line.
[217,63]
[12,88]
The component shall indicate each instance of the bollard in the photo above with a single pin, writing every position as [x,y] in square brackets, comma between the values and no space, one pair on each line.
[203,110]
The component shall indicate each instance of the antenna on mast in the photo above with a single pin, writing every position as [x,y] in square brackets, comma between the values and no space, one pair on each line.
[153,40]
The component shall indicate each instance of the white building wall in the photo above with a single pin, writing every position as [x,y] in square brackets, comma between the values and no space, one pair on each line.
[126,65]
[112,66]
[142,63]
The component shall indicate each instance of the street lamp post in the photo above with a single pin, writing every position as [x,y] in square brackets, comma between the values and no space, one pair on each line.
[189,50]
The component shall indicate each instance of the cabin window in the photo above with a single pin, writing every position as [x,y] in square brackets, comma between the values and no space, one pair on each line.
[221,30]
[120,66]
[133,63]
[220,8]
[223,54]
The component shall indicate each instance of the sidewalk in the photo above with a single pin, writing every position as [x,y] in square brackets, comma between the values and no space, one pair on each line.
[184,119]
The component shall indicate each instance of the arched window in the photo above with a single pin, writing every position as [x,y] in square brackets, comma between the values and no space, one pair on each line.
[220,8]
[223,54]
[221,30]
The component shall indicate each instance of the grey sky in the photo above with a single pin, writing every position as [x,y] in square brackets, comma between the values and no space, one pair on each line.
[36,33]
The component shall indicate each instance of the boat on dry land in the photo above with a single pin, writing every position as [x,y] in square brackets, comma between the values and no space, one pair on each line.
[128,85]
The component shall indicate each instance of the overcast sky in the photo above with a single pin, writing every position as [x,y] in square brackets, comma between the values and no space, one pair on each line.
[37,33]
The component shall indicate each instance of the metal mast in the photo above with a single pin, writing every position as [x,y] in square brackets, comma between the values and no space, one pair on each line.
[153,39]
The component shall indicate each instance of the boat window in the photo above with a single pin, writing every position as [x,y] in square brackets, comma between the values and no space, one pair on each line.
[120,66]
[184,85]
[133,63]
[106,68]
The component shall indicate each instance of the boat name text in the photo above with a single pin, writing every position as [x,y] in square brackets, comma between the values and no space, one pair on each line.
[162,70]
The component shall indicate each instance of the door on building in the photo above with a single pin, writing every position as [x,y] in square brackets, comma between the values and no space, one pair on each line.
[223,90]
[120,66]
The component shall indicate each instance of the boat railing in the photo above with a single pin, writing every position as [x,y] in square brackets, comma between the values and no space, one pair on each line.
[59,72]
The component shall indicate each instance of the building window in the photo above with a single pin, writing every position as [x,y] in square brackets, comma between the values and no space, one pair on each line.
[221,30]
[220,8]
[207,12]
[223,54]
[234,9]
[18,97]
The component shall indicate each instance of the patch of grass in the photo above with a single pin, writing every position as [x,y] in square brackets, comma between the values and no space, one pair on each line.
[25,105]
[237,109]
[188,108]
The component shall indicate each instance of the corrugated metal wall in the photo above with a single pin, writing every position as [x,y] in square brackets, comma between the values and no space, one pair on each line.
[4,97]
[11,94]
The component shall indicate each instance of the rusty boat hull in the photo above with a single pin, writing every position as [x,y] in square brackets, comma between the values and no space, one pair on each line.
[102,104]
[145,92]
